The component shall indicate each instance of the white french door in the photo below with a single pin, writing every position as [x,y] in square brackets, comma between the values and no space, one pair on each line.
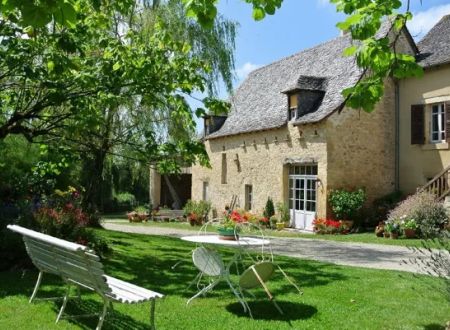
[302,195]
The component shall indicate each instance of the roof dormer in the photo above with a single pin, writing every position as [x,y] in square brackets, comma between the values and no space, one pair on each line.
[305,96]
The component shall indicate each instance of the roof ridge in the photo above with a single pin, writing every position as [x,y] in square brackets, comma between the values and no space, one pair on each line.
[298,53]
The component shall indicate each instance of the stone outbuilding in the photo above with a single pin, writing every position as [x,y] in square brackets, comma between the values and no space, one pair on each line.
[290,136]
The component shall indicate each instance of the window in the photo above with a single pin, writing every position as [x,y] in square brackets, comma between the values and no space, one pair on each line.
[293,106]
[248,197]
[224,168]
[205,191]
[437,123]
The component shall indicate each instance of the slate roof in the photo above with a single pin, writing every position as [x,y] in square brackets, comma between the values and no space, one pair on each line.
[260,104]
[435,46]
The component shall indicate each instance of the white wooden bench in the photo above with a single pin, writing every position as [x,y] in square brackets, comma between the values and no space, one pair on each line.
[81,267]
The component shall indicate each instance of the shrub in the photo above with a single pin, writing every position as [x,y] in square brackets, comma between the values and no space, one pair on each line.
[346,204]
[430,215]
[125,201]
[383,205]
[61,216]
[269,210]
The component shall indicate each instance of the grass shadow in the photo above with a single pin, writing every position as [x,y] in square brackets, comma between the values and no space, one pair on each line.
[265,310]
[113,320]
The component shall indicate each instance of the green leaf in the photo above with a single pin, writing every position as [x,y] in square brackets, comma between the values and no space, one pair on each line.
[350,51]
[50,66]
[116,66]
[258,14]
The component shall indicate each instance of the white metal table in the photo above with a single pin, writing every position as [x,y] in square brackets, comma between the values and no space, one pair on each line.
[242,242]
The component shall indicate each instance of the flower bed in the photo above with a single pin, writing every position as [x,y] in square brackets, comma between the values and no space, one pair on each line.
[330,226]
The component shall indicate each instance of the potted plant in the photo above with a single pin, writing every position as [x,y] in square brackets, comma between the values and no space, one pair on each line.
[346,204]
[196,212]
[228,228]
[409,228]
[393,229]
[283,211]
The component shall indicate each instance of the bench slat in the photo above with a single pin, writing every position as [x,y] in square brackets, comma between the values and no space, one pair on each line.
[72,257]
[49,239]
[62,251]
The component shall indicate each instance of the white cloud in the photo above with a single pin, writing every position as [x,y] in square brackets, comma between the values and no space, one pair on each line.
[244,70]
[423,21]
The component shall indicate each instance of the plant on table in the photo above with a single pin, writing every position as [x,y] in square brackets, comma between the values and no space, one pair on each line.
[229,225]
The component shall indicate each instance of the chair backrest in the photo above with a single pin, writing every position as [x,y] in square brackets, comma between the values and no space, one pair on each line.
[75,263]
[208,261]
[249,278]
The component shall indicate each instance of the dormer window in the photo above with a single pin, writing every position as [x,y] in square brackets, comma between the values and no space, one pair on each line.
[293,106]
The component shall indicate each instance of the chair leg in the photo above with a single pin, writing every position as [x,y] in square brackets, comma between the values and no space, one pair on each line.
[101,319]
[238,295]
[66,298]
[204,290]
[277,307]
[246,306]
[36,287]
[152,314]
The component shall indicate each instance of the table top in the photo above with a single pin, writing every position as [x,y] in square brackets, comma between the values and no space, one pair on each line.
[214,239]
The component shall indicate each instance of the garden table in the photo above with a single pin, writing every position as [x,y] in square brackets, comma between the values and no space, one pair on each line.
[224,272]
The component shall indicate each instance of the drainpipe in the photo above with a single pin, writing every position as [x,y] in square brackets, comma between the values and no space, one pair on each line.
[397,136]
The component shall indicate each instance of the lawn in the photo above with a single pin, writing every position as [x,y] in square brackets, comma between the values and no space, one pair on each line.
[365,237]
[335,297]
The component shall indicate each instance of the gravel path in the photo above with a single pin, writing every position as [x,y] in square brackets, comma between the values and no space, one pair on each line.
[341,253]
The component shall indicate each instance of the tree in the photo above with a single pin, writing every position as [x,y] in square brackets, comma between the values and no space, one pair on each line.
[91,86]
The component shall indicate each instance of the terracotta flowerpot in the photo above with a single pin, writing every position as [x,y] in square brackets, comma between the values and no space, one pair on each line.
[347,223]
[394,235]
[410,233]
[386,234]
[192,221]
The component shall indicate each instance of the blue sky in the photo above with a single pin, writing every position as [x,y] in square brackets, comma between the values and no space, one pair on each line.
[300,24]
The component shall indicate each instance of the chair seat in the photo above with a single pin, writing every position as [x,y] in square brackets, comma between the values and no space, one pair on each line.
[128,293]
[249,279]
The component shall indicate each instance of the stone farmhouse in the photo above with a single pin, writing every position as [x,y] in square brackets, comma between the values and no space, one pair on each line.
[290,136]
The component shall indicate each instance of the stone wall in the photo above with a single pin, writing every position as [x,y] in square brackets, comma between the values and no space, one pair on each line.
[361,148]
[258,159]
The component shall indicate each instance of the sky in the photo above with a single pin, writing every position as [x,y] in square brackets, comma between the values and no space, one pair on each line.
[301,24]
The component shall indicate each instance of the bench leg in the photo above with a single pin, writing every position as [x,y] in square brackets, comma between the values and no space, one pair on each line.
[66,298]
[152,314]
[36,287]
[103,315]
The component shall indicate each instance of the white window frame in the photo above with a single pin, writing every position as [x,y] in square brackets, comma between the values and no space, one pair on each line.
[293,113]
[440,130]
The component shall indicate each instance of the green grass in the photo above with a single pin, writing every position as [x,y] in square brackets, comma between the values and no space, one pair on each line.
[367,237]
[335,297]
